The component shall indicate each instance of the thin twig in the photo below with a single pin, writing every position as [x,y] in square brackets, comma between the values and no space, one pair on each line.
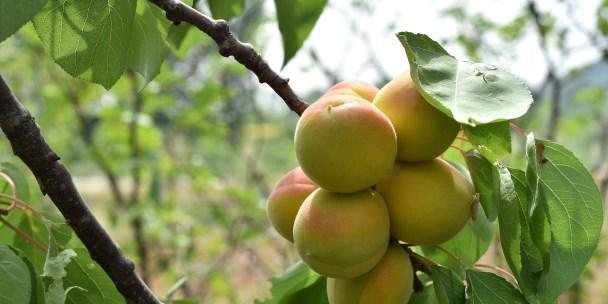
[23,234]
[229,45]
[21,204]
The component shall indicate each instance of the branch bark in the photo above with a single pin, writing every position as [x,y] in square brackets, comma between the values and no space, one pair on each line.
[55,181]
[229,45]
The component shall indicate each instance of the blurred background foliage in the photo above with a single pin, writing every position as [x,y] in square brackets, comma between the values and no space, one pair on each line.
[178,169]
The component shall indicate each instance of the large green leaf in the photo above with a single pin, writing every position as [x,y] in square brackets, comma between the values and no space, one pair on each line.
[487,182]
[492,140]
[573,206]
[95,285]
[296,20]
[89,39]
[471,93]
[449,288]
[298,280]
[486,287]
[14,14]
[226,9]
[148,46]
[15,278]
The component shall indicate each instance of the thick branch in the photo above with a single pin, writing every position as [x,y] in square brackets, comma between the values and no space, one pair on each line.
[229,45]
[56,182]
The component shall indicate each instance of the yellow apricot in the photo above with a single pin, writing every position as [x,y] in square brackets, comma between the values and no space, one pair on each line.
[342,235]
[423,132]
[285,200]
[389,282]
[344,144]
[355,88]
[428,202]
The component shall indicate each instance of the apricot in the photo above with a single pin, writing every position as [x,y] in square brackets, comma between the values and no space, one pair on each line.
[389,282]
[285,200]
[354,88]
[428,202]
[344,144]
[342,235]
[423,132]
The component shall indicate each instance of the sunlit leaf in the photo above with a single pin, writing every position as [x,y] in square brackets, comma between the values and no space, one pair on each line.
[89,39]
[471,93]
[14,14]
[296,20]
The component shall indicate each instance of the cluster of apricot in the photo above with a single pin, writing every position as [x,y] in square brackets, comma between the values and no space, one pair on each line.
[369,181]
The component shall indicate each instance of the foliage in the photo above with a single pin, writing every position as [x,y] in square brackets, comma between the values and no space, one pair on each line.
[207,156]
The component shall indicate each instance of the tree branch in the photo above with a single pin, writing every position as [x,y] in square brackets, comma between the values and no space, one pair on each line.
[551,71]
[55,181]
[229,45]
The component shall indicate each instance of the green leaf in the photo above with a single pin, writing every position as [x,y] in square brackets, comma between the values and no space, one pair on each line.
[573,207]
[15,278]
[296,20]
[14,14]
[486,287]
[95,285]
[468,245]
[492,140]
[449,288]
[88,39]
[299,280]
[226,9]
[487,182]
[315,293]
[521,253]
[37,295]
[426,296]
[35,228]
[471,93]
[148,46]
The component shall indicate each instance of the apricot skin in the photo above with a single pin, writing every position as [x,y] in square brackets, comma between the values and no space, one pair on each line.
[285,200]
[344,144]
[389,282]
[423,132]
[353,88]
[428,202]
[342,235]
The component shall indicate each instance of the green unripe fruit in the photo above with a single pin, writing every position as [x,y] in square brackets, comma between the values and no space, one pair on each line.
[428,202]
[423,132]
[342,235]
[353,88]
[344,144]
[391,281]
[285,201]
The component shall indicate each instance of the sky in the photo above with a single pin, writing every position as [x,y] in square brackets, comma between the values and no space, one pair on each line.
[344,53]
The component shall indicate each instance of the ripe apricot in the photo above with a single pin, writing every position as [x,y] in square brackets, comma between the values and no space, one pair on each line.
[389,282]
[355,88]
[285,201]
[344,144]
[423,132]
[342,235]
[428,202]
